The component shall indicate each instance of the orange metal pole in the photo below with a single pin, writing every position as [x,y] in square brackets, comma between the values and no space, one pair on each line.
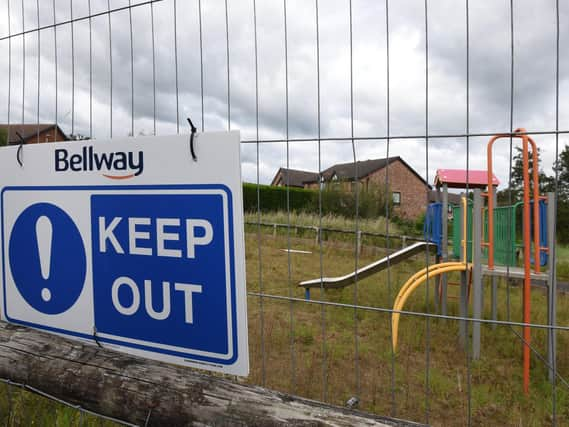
[527,267]
[490,175]
[520,133]
[536,225]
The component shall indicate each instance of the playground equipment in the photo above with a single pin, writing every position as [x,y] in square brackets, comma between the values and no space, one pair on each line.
[479,229]
[526,141]
[368,270]
[483,235]
[506,244]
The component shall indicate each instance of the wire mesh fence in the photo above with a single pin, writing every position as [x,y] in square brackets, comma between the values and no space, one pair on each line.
[313,84]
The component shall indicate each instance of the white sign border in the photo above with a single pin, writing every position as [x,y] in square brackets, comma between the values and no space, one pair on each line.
[147,348]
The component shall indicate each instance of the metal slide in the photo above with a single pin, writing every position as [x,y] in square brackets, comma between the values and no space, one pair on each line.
[368,270]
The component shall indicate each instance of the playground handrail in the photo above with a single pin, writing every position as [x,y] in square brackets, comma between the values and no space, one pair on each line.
[520,133]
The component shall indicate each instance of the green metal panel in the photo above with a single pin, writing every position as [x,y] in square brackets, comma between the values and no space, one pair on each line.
[504,234]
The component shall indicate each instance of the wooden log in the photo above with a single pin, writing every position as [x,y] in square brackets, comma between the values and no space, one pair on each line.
[138,390]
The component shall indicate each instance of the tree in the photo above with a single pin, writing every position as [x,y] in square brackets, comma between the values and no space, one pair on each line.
[562,167]
[546,183]
[3,137]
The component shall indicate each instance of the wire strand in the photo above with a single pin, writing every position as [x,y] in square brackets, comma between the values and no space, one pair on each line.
[357,213]
[153,68]
[90,71]
[259,251]
[288,242]
[201,62]
[467,341]
[83,18]
[39,74]
[132,69]
[348,139]
[388,200]
[110,71]
[228,69]
[176,67]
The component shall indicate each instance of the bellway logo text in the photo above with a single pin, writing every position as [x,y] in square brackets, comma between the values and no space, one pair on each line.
[115,165]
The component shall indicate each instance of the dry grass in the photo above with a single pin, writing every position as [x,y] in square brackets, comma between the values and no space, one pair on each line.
[310,351]
[297,360]
[376,225]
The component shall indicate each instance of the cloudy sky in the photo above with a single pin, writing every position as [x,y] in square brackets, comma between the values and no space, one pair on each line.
[140,98]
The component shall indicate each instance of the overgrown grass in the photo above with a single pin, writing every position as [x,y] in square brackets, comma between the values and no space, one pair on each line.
[376,225]
[310,349]
[22,408]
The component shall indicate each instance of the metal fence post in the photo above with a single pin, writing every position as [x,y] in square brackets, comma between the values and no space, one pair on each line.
[494,281]
[444,278]
[463,306]
[552,285]
[477,297]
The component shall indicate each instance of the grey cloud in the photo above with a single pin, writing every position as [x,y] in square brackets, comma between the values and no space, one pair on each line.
[489,75]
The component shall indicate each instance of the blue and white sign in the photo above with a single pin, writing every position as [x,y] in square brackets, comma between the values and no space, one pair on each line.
[131,244]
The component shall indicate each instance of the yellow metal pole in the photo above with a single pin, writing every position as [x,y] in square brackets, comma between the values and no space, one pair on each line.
[408,289]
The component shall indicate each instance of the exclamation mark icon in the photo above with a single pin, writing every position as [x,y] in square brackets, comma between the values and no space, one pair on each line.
[44,234]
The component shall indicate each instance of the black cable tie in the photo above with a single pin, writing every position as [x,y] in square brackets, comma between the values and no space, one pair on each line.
[95,336]
[192,135]
[19,152]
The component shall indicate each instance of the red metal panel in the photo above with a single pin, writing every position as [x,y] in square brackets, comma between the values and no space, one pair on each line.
[456,178]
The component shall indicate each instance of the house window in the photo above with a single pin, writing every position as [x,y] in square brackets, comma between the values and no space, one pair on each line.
[396,197]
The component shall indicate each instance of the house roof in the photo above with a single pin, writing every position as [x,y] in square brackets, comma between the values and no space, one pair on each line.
[343,171]
[294,177]
[347,171]
[457,178]
[28,132]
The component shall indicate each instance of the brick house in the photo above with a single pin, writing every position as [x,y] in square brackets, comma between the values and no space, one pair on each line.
[33,133]
[408,189]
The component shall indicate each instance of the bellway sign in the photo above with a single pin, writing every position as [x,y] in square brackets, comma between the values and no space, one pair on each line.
[130,244]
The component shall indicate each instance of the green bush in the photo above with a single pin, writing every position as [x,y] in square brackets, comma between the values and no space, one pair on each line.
[563,222]
[275,198]
[410,227]
[335,200]
[3,137]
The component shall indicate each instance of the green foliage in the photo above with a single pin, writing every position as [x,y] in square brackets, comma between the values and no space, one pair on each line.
[546,182]
[22,408]
[3,137]
[335,200]
[563,222]
[410,227]
[275,198]
[562,167]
